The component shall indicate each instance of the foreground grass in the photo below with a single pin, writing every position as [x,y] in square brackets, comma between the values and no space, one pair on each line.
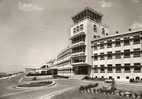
[75,94]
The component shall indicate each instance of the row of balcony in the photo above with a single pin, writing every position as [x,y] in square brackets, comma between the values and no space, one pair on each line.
[119,71]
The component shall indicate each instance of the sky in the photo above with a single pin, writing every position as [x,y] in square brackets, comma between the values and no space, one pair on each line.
[35,31]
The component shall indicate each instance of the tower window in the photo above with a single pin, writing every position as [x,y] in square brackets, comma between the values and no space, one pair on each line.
[118,54]
[102,68]
[137,52]
[118,68]
[102,56]
[109,43]
[103,31]
[95,56]
[109,55]
[117,42]
[127,67]
[136,39]
[81,27]
[77,28]
[137,67]
[127,77]
[127,53]
[95,46]
[109,68]
[126,41]
[101,45]
[95,28]
[74,30]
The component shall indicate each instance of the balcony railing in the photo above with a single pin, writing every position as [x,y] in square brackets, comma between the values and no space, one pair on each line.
[137,71]
[78,63]
[127,71]
[109,71]
[78,44]
[118,71]
[77,34]
[78,54]
[102,71]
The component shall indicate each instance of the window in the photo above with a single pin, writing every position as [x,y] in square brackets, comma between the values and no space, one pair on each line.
[118,68]
[126,41]
[95,69]
[101,45]
[118,77]
[95,46]
[127,53]
[137,52]
[102,68]
[137,67]
[109,43]
[109,54]
[95,28]
[117,42]
[81,27]
[77,28]
[102,56]
[103,31]
[136,39]
[95,56]
[74,30]
[127,68]
[127,77]
[118,54]
[109,68]
[110,77]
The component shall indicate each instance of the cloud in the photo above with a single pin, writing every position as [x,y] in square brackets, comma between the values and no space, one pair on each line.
[105,3]
[136,25]
[136,1]
[29,7]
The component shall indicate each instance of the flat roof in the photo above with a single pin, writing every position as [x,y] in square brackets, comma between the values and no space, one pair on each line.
[116,35]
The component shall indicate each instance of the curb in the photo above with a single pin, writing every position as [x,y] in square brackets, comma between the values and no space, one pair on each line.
[53,83]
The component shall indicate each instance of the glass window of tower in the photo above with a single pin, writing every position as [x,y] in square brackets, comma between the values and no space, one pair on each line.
[103,31]
[137,67]
[127,53]
[102,56]
[101,45]
[137,52]
[95,28]
[136,39]
[117,54]
[81,27]
[109,55]
[126,41]
[117,42]
[127,67]
[109,43]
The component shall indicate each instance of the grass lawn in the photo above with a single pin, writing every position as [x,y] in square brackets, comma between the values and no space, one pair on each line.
[75,94]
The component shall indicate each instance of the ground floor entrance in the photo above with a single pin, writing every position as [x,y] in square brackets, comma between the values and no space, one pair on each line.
[82,70]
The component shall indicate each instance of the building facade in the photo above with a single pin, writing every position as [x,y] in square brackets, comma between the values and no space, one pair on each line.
[63,64]
[87,25]
[118,56]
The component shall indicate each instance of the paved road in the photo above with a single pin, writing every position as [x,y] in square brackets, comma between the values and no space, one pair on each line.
[9,93]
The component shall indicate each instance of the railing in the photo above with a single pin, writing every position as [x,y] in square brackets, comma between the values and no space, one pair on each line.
[137,71]
[78,43]
[127,71]
[118,71]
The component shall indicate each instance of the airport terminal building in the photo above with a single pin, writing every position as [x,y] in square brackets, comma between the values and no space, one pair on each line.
[96,53]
